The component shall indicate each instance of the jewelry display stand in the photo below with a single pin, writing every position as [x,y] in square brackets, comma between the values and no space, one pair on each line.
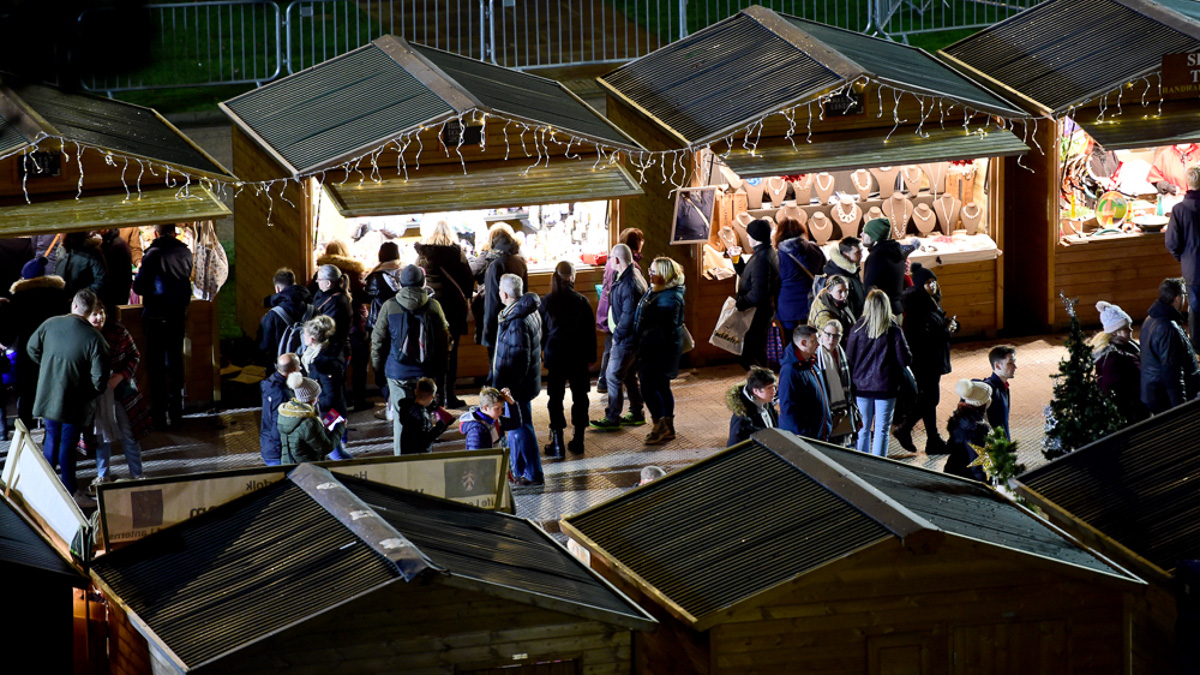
[936,171]
[946,207]
[847,214]
[925,219]
[803,189]
[861,179]
[820,228]
[734,180]
[739,225]
[898,210]
[791,211]
[971,214]
[754,191]
[824,186]
[910,179]
[871,214]
[885,176]
[776,190]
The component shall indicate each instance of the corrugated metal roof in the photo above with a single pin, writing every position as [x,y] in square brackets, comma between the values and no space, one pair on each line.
[154,207]
[526,96]
[349,102]
[1178,124]
[21,546]
[965,508]
[486,186]
[906,67]
[1067,52]
[237,573]
[112,125]
[720,78]
[11,137]
[727,529]
[1138,486]
[489,546]
[833,152]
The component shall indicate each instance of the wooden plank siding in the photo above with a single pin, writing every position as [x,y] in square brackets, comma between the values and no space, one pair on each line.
[201,357]
[1125,271]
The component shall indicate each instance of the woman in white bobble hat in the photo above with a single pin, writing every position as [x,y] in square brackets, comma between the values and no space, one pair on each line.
[968,426]
[1118,361]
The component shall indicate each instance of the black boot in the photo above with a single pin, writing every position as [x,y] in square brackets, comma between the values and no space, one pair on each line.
[555,447]
[904,435]
[576,445]
[936,446]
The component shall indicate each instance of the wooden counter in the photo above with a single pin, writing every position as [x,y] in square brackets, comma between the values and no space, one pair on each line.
[202,353]
[1124,269]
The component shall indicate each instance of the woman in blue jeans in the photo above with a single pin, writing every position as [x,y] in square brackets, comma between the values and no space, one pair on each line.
[878,355]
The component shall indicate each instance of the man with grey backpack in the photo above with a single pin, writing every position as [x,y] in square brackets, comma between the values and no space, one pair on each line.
[279,332]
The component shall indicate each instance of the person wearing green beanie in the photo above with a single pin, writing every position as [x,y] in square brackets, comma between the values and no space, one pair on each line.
[878,229]
[886,261]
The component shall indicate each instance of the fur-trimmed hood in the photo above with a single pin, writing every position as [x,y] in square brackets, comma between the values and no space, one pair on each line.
[346,264]
[835,256]
[736,401]
[52,281]
[388,266]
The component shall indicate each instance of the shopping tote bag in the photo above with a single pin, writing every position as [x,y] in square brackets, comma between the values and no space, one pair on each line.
[730,333]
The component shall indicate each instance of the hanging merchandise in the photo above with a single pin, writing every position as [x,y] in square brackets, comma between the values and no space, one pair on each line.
[210,269]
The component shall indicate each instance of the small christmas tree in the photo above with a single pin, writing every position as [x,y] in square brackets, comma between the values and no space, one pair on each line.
[1080,412]
[998,457]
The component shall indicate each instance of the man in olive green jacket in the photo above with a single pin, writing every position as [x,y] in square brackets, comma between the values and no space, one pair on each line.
[302,434]
[73,371]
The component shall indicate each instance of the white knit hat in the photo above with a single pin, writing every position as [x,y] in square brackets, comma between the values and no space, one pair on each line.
[974,392]
[1113,318]
[307,389]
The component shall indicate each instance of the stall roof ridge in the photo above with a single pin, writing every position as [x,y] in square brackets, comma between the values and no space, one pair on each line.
[1136,487]
[696,88]
[354,102]
[803,505]
[35,110]
[1048,53]
[23,545]
[320,541]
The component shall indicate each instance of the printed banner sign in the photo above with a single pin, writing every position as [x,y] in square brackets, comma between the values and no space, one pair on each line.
[1180,74]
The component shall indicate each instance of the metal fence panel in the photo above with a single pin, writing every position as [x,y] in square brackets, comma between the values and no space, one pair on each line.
[191,44]
[849,14]
[899,19]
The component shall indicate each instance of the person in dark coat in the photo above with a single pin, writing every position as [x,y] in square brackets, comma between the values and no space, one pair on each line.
[15,252]
[73,370]
[290,304]
[485,424]
[800,261]
[634,239]
[303,436]
[518,368]
[422,420]
[1170,376]
[803,403]
[275,393]
[845,260]
[36,297]
[886,261]
[165,283]
[323,361]
[968,427]
[507,260]
[1183,241]
[118,262]
[658,325]
[381,284]
[81,264]
[928,331]
[449,277]
[568,349]
[833,367]
[1003,360]
[332,299]
[625,295]
[878,355]
[751,404]
[1118,361]
[358,340]
[758,285]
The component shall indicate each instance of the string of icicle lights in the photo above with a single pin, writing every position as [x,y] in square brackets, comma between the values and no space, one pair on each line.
[531,141]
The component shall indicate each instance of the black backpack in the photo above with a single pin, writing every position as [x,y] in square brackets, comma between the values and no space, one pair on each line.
[413,347]
[291,338]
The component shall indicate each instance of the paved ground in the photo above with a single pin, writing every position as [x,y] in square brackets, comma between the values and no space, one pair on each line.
[613,461]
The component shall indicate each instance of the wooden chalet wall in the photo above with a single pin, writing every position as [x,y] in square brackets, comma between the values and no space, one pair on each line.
[201,362]
[423,629]
[128,651]
[1031,215]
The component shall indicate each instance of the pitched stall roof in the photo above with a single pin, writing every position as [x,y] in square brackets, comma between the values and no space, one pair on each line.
[30,109]
[21,546]
[768,510]
[355,102]
[1139,487]
[232,576]
[698,90]
[1062,53]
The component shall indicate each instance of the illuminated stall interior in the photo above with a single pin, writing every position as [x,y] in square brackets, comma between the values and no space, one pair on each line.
[385,141]
[788,115]
[72,162]
[1120,133]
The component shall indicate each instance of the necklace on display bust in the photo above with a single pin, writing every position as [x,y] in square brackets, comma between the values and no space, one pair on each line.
[776,189]
[803,189]
[937,176]
[910,179]
[824,183]
[820,228]
[971,215]
[793,212]
[754,191]
[898,209]
[862,183]
[848,216]
[946,207]
[885,176]
[924,218]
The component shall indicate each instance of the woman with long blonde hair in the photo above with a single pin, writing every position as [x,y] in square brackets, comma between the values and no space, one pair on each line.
[448,276]
[878,355]
[658,325]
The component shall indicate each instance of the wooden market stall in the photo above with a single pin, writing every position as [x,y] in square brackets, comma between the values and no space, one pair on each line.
[383,142]
[74,162]
[321,572]
[782,554]
[1094,70]
[789,114]
[1135,495]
